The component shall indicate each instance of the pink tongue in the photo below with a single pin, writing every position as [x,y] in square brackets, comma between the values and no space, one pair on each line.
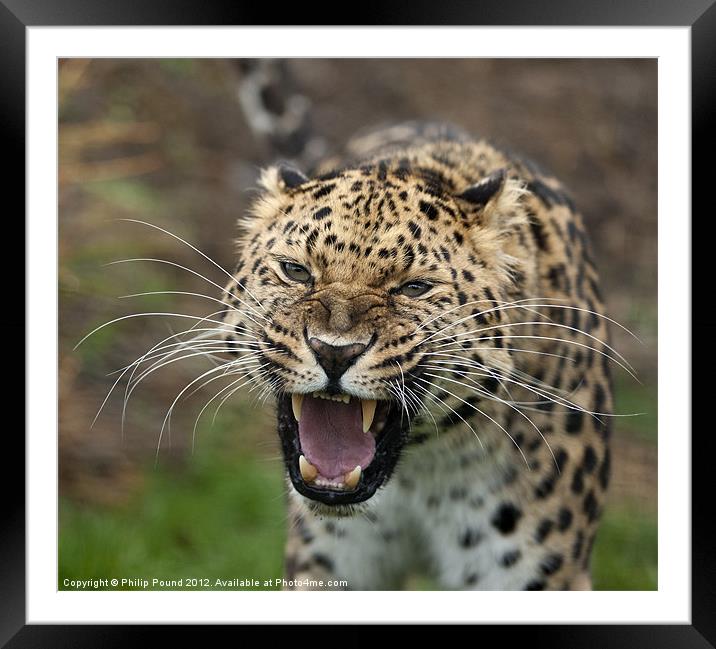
[332,437]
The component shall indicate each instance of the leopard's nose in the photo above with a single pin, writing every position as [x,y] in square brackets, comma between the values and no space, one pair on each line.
[335,360]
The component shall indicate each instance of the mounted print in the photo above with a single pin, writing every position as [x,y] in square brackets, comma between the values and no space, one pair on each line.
[358,324]
[374,324]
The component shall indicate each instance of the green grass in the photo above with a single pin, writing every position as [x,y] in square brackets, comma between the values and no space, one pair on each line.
[127,196]
[632,398]
[220,517]
[625,551]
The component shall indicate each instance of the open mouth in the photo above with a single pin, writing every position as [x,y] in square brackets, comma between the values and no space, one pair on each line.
[339,449]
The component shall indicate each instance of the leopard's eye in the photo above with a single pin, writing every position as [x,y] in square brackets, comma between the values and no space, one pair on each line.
[295,272]
[414,289]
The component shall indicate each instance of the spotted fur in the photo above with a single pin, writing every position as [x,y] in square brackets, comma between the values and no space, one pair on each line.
[484,495]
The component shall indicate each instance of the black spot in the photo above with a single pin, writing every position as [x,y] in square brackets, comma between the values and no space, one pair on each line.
[491,386]
[572,229]
[577,547]
[543,530]
[322,213]
[429,210]
[311,240]
[590,459]
[506,517]
[535,584]
[558,278]
[564,519]
[538,233]
[382,170]
[545,193]
[574,421]
[303,530]
[458,493]
[323,561]
[471,579]
[546,486]
[389,535]
[591,507]
[560,458]
[470,538]
[578,481]
[588,552]
[605,470]
[458,238]
[547,406]
[415,229]
[551,564]
[510,558]
[600,398]
[468,275]
[324,191]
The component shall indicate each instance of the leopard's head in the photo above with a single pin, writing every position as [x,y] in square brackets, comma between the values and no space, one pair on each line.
[355,294]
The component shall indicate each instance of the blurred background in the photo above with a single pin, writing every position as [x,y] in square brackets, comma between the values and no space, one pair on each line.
[165,141]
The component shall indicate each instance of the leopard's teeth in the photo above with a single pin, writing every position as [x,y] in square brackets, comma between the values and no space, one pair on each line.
[308,471]
[296,405]
[344,398]
[351,479]
[368,406]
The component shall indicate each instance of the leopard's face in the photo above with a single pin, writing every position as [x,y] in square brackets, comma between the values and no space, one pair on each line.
[353,291]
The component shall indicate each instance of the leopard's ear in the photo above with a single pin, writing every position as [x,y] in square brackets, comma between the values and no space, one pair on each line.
[486,191]
[277,183]
[494,200]
[281,178]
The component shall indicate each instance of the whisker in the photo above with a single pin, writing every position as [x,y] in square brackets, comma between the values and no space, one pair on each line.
[548,324]
[189,293]
[504,306]
[561,400]
[496,398]
[442,314]
[195,249]
[484,414]
[461,360]
[147,314]
[245,380]
[436,398]
[193,272]
[124,370]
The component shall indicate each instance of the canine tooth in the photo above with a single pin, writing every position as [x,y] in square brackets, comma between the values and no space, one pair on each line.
[308,471]
[368,406]
[351,479]
[296,405]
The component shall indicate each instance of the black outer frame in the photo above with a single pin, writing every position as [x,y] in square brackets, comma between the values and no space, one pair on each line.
[16,15]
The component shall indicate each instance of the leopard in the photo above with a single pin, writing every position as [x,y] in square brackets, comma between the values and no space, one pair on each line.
[423,309]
